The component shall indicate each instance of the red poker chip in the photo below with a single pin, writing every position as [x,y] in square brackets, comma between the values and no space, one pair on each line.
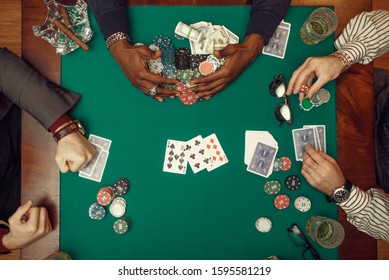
[286,163]
[105,196]
[281,201]
[187,96]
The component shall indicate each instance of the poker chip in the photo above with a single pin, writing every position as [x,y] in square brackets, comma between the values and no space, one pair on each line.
[286,163]
[272,187]
[302,203]
[118,207]
[96,211]
[195,60]
[292,182]
[277,164]
[315,100]
[323,95]
[121,225]
[182,58]
[105,196]
[216,63]
[121,186]
[206,68]
[281,201]
[306,104]
[184,76]
[186,96]
[263,224]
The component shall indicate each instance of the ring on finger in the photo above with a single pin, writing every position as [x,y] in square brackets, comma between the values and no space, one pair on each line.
[152,91]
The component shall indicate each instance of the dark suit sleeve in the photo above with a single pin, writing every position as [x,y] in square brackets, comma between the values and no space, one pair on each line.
[265,16]
[111,16]
[32,92]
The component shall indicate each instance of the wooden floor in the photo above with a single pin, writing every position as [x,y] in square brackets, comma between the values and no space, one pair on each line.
[10,37]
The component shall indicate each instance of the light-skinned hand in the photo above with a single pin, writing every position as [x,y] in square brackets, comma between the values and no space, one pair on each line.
[27,225]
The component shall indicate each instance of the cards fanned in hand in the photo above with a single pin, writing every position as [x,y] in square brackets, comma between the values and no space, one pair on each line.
[260,152]
[313,135]
[279,41]
[200,153]
[94,170]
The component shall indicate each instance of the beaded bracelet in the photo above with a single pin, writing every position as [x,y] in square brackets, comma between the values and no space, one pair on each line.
[344,58]
[116,37]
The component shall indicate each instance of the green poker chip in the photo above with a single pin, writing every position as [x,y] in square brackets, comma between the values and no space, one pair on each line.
[277,164]
[121,226]
[306,104]
[272,187]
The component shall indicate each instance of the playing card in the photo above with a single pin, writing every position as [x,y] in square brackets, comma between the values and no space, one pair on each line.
[197,154]
[263,159]
[175,160]
[216,152]
[301,138]
[277,43]
[252,137]
[285,24]
[103,142]
[98,170]
[87,170]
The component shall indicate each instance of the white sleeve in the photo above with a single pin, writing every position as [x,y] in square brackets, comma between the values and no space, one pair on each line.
[365,37]
[368,212]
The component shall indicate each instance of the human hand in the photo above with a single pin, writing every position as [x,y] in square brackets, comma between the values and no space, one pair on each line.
[74,151]
[325,68]
[237,57]
[321,171]
[133,61]
[27,225]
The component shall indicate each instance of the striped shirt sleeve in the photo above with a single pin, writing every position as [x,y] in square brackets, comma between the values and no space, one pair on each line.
[365,37]
[368,212]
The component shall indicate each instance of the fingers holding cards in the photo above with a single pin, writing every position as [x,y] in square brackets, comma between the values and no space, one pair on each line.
[313,135]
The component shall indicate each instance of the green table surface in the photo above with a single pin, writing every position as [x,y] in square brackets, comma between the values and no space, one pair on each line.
[208,215]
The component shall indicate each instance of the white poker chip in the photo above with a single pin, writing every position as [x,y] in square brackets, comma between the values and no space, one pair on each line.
[263,224]
[118,207]
[302,203]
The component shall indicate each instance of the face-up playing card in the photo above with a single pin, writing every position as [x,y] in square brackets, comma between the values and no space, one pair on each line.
[216,152]
[278,42]
[175,159]
[263,158]
[197,154]
[301,138]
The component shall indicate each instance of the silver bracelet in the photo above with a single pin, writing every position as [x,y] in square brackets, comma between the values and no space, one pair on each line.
[116,37]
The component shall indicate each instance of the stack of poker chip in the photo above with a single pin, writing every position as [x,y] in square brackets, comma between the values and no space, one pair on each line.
[320,97]
[112,196]
[263,224]
[282,163]
[292,182]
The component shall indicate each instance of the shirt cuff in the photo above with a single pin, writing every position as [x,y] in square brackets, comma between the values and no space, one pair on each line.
[355,51]
[357,201]
[58,123]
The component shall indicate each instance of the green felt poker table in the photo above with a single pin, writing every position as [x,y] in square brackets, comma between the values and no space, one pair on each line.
[207,215]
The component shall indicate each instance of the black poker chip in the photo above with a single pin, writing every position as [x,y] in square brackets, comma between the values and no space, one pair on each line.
[292,182]
[121,186]
[182,58]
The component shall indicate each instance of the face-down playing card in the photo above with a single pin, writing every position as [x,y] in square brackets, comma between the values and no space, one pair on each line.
[301,138]
[262,160]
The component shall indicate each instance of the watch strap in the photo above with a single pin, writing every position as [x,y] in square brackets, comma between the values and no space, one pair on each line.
[67,129]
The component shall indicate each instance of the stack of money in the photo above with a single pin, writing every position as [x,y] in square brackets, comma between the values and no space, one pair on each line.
[204,37]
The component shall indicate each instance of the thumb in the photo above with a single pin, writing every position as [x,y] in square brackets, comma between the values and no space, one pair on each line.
[155,54]
[227,51]
[24,208]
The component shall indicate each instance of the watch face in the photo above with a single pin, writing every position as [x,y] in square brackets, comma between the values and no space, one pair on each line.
[341,195]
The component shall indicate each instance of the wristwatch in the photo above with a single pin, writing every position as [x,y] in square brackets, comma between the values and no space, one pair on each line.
[67,129]
[341,194]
